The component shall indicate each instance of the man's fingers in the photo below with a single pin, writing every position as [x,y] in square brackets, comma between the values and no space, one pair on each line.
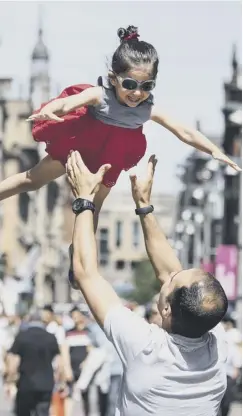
[133,178]
[79,161]
[151,166]
[69,171]
[103,169]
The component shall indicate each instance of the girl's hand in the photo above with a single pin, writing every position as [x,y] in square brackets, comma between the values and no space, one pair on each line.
[223,158]
[45,115]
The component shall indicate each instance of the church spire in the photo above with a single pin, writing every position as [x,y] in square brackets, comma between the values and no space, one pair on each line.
[40,80]
[234,65]
[40,51]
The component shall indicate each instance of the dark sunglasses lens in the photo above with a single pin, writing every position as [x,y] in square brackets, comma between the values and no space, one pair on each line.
[148,86]
[129,84]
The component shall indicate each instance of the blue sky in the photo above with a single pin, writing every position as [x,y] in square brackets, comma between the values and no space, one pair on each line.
[194,41]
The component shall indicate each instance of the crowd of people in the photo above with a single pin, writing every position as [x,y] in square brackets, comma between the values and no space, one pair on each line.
[125,359]
[64,358]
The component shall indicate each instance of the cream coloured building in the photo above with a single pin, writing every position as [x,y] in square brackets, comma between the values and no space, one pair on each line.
[119,234]
[120,237]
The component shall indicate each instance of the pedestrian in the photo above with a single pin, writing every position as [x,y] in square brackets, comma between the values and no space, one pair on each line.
[29,366]
[79,344]
[180,367]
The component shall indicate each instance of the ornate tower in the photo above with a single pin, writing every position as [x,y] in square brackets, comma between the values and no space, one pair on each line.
[232,147]
[40,80]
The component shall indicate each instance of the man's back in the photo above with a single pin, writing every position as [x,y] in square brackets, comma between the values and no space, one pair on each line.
[166,374]
[37,349]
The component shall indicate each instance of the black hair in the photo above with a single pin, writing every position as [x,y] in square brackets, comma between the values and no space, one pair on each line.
[133,52]
[75,309]
[199,308]
[48,308]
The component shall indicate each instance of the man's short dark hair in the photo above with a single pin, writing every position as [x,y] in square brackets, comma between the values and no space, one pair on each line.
[199,308]
[75,309]
[48,308]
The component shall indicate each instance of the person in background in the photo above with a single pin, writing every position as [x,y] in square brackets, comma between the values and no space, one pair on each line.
[110,373]
[53,327]
[153,316]
[234,364]
[79,344]
[29,367]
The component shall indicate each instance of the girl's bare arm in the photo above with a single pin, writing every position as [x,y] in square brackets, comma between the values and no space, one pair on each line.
[62,106]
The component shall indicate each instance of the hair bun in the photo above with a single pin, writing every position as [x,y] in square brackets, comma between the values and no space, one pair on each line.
[131,32]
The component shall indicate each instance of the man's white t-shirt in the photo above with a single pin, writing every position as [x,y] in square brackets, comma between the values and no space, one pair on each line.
[166,374]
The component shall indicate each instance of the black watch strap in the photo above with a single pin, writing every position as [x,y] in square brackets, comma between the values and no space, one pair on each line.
[144,210]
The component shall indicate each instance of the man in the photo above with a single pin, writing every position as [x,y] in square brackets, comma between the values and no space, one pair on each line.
[234,364]
[31,355]
[79,345]
[63,364]
[179,368]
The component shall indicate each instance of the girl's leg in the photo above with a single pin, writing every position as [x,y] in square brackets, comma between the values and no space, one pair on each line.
[98,201]
[44,172]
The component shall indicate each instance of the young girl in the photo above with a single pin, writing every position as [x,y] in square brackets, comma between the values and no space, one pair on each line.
[104,123]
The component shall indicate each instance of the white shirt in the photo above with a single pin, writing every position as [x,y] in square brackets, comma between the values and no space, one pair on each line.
[57,330]
[166,374]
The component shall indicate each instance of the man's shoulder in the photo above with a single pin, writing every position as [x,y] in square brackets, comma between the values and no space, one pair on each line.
[219,332]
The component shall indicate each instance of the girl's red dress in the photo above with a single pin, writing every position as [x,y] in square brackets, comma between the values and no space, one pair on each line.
[97,142]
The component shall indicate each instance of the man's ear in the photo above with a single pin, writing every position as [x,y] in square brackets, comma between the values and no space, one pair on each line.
[166,312]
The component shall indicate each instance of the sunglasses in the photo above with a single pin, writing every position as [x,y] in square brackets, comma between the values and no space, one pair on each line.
[131,84]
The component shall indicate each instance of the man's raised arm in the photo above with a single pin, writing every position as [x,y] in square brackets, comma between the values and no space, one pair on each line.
[161,255]
[98,293]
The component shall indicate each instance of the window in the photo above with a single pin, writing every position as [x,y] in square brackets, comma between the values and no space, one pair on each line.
[104,246]
[119,230]
[134,265]
[135,234]
[120,264]
[24,201]
[52,196]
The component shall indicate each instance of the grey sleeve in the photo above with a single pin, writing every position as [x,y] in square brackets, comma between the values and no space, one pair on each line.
[128,332]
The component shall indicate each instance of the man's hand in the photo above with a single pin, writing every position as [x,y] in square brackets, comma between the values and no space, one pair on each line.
[83,183]
[141,189]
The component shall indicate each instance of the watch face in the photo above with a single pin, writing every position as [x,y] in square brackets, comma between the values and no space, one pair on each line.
[77,204]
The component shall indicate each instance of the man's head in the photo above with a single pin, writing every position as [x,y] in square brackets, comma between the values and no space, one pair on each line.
[47,314]
[77,317]
[191,303]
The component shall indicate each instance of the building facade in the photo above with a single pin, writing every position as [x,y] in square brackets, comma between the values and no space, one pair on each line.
[31,223]
[208,219]
[119,234]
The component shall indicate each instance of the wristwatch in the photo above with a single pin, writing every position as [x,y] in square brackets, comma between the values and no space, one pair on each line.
[79,205]
[144,210]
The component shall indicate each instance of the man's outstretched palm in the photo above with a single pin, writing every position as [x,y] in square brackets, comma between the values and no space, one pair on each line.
[141,188]
[82,181]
